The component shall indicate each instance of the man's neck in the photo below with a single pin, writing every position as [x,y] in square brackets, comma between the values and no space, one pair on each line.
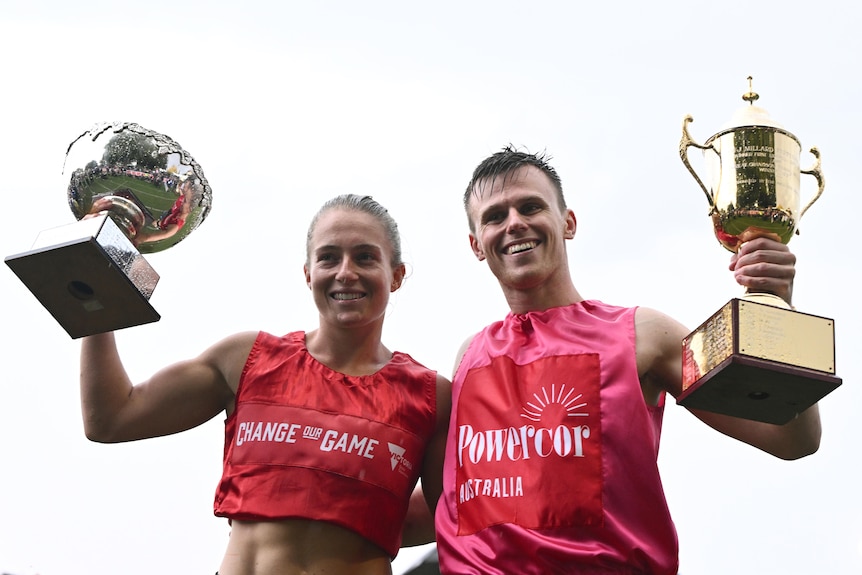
[541,297]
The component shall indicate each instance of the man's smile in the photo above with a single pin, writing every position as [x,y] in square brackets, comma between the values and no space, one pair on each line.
[520,247]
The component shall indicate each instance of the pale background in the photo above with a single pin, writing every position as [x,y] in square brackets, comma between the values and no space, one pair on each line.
[286,104]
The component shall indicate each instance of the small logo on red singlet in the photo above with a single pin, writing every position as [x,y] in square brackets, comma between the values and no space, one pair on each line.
[398,461]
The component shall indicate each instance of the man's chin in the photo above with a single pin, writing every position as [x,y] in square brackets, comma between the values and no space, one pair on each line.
[521,279]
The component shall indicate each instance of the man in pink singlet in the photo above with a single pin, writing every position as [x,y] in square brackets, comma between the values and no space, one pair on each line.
[550,460]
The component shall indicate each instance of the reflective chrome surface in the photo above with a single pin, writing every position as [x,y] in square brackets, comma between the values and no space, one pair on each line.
[151,188]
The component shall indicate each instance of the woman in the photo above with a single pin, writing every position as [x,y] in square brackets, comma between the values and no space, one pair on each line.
[327,431]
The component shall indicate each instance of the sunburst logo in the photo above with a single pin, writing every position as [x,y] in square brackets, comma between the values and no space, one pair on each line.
[569,402]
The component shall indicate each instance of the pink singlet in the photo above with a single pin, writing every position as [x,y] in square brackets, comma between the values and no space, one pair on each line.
[551,453]
[309,442]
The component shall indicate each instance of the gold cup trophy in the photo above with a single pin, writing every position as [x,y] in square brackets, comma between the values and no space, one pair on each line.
[756,357]
[133,191]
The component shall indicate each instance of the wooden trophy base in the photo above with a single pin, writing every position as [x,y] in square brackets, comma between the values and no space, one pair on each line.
[759,362]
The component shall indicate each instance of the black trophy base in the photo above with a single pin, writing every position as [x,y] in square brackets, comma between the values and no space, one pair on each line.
[94,283]
[758,390]
[758,362]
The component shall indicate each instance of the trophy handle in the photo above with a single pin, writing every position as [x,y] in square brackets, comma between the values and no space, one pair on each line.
[817,173]
[684,144]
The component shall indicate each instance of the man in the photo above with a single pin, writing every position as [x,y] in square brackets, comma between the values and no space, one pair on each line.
[550,463]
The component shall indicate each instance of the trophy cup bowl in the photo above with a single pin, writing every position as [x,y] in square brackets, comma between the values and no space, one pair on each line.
[756,358]
[132,191]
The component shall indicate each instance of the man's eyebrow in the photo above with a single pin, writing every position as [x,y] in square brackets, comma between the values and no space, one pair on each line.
[532,197]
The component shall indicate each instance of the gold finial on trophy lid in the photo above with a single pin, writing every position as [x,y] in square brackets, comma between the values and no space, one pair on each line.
[752,115]
[751,95]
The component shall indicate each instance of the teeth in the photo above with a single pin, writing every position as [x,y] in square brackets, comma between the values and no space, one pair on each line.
[518,248]
[346,296]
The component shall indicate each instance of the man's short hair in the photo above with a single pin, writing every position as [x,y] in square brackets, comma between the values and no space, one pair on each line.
[504,164]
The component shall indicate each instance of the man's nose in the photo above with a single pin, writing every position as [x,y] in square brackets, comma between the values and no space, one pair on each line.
[515,221]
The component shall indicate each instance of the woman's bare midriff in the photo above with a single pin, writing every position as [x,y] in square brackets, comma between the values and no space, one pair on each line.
[300,547]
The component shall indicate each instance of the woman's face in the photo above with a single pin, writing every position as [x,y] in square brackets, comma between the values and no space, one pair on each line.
[349,269]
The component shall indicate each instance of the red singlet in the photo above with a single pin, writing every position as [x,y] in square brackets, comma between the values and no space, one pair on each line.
[306,441]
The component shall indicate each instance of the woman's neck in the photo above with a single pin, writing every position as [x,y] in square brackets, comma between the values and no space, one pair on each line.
[351,352]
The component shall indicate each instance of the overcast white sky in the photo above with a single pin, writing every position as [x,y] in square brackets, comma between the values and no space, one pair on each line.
[285,104]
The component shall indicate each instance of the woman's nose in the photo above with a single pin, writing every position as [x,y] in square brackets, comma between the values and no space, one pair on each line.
[346,271]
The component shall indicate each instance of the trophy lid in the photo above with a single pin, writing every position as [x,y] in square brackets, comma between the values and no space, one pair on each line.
[751,115]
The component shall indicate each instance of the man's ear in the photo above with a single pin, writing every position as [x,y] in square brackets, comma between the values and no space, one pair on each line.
[477,248]
[307,276]
[571,225]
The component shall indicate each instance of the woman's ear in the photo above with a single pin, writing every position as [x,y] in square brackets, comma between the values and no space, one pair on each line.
[398,277]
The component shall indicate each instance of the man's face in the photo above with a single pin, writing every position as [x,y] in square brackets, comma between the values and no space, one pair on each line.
[520,228]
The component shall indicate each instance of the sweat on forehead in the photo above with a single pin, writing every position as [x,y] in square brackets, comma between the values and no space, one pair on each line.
[494,183]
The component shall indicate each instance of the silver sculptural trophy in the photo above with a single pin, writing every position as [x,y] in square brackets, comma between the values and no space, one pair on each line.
[133,192]
[756,358]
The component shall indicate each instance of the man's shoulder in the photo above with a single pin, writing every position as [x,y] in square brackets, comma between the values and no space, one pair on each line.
[647,316]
